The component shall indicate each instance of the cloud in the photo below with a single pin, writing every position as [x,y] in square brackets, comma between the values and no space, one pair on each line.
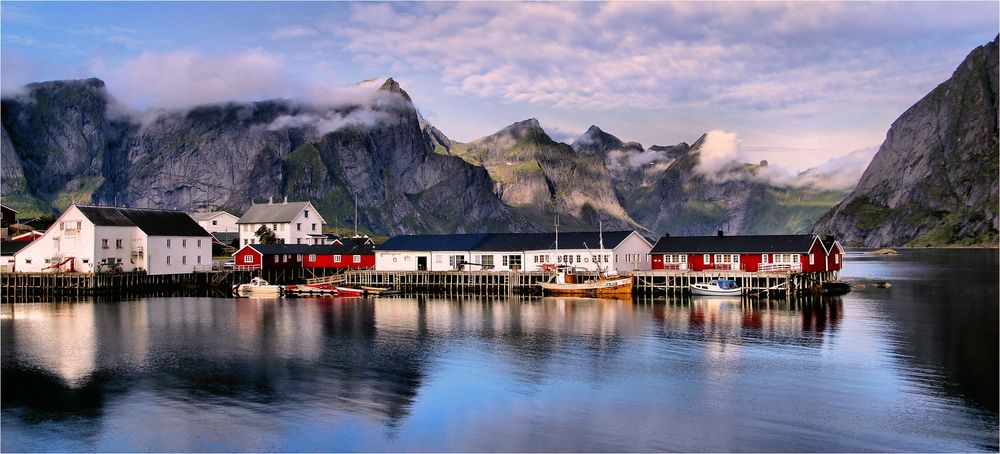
[329,121]
[290,32]
[722,158]
[185,78]
[799,58]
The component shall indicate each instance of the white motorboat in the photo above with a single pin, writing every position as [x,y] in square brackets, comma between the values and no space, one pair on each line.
[717,287]
[258,287]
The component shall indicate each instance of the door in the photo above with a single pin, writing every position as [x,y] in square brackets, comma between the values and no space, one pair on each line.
[421,263]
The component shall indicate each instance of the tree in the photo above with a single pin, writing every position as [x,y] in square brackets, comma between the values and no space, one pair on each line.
[265,235]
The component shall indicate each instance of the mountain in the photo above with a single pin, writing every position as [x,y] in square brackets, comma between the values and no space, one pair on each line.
[67,141]
[539,178]
[663,189]
[934,179]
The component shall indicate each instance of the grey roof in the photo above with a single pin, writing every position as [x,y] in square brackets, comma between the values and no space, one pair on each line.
[208,215]
[503,242]
[273,212]
[762,244]
[152,222]
[226,238]
[271,249]
[11,247]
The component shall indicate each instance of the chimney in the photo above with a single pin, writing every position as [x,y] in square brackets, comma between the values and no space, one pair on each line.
[270,200]
[828,239]
[719,233]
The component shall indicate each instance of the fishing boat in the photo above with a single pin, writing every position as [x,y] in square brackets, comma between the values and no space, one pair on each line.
[258,287]
[568,282]
[717,287]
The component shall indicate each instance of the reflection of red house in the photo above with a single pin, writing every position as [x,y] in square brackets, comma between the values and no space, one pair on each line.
[806,253]
[343,253]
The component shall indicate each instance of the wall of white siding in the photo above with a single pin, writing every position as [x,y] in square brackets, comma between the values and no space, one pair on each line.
[295,232]
[58,243]
[184,258]
[224,222]
[632,254]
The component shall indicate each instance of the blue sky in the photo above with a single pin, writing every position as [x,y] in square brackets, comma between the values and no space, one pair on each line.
[795,83]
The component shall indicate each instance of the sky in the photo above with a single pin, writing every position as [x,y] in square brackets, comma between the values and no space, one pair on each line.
[799,83]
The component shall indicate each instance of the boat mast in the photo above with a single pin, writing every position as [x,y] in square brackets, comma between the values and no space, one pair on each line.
[355,215]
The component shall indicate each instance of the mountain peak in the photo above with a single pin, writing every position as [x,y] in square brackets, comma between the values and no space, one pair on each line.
[596,141]
[523,128]
[391,86]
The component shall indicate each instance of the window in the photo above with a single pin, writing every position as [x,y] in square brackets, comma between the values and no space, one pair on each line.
[307,213]
[487,261]
[184,243]
[704,259]
[577,259]
[312,258]
[215,222]
[763,258]
[168,260]
[184,260]
[274,227]
[199,243]
[336,259]
[62,226]
[515,261]
[453,260]
[298,227]
[357,259]
[248,258]
[439,259]
[281,241]
[314,227]
[104,244]
[168,242]
[298,241]
[681,258]
[836,258]
[118,244]
[298,258]
[812,259]
[199,260]
[28,261]
[246,242]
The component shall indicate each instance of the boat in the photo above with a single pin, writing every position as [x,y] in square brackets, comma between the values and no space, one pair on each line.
[567,283]
[377,290]
[310,289]
[717,287]
[258,287]
[348,291]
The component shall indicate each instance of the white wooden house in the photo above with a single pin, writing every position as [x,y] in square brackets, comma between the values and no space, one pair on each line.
[217,221]
[291,222]
[622,251]
[92,238]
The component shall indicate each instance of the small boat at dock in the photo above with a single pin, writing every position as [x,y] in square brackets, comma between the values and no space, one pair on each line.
[349,291]
[258,287]
[717,287]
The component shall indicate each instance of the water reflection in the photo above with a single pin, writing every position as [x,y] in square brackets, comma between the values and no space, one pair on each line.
[455,373]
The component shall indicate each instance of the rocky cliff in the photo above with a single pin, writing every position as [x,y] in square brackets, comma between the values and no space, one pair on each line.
[934,179]
[540,178]
[65,142]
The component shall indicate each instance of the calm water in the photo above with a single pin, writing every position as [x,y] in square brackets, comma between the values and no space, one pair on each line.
[910,368]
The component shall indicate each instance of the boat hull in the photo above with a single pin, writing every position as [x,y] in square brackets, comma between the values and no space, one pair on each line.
[715,292]
[347,291]
[605,287]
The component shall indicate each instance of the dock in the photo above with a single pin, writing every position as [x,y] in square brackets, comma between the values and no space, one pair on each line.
[648,283]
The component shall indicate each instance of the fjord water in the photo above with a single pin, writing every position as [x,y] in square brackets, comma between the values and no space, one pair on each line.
[909,368]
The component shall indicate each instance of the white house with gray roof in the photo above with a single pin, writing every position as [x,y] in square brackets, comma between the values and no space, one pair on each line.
[217,221]
[93,238]
[291,222]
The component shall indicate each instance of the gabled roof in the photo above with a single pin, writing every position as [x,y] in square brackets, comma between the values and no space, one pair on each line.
[454,242]
[829,242]
[504,242]
[151,222]
[762,244]
[7,208]
[11,247]
[274,212]
[209,215]
[272,249]
[354,240]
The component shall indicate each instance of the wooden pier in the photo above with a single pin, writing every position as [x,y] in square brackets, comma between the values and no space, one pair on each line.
[646,282]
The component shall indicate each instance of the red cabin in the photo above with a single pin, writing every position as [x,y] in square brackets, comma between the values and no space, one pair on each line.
[270,256]
[753,253]
[343,253]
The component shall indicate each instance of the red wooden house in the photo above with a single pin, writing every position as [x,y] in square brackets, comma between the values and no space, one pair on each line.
[806,253]
[343,253]
[270,256]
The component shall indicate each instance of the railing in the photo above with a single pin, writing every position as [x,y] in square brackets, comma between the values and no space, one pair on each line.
[780,267]
[246,267]
[675,266]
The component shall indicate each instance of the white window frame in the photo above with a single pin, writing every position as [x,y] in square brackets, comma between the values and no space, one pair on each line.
[705,259]
[248,258]
[336,258]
